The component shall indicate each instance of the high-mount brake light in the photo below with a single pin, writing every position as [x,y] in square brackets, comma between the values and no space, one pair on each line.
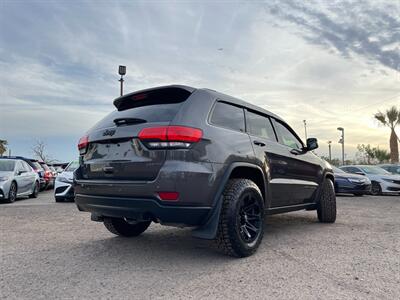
[83,144]
[170,136]
[139,96]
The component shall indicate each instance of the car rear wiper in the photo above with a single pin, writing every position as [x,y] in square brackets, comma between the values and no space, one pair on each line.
[122,121]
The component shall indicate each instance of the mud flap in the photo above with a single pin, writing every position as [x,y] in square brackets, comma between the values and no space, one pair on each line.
[209,230]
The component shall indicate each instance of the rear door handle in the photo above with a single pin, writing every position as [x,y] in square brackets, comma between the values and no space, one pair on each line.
[258,143]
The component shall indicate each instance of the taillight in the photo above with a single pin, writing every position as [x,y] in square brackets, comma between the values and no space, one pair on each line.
[83,144]
[48,174]
[170,136]
[168,196]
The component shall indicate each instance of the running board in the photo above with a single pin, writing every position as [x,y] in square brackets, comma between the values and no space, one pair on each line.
[283,209]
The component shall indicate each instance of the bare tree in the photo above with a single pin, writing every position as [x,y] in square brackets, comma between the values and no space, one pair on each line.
[39,150]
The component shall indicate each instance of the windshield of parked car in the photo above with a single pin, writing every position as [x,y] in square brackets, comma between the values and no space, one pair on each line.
[7,165]
[374,170]
[72,166]
[337,170]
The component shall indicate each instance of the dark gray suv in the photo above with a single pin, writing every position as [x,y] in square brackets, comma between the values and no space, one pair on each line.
[182,156]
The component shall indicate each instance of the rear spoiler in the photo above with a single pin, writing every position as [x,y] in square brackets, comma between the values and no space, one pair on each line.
[158,95]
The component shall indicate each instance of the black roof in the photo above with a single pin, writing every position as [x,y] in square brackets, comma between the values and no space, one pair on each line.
[18,157]
[118,101]
[240,102]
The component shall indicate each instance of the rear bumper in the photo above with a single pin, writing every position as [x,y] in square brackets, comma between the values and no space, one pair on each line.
[142,209]
[42,183]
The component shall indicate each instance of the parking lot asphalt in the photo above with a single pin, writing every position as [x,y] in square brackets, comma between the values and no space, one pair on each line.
[51,250]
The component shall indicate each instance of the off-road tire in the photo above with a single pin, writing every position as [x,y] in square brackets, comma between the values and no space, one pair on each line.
[326,208]
[122,228]
[35,192]
[228,239]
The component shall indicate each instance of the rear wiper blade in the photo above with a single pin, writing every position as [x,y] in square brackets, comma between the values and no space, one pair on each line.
[121,121]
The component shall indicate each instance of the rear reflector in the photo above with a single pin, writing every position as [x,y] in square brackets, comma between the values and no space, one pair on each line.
[83,143]
[170,136]
[168,196]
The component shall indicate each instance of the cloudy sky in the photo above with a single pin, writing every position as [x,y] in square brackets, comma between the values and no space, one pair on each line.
[333,63]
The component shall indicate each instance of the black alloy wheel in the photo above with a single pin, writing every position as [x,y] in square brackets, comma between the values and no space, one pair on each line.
[249,218]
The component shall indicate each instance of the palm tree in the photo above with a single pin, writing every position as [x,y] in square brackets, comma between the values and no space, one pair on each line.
[3,148]
[391,119]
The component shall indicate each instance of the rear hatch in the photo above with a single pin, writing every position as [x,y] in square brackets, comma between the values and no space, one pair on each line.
[38,168]
[112,149]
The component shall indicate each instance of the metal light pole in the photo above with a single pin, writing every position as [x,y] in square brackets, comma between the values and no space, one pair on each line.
[122,72]
[305,128]
[330,150]
[341,141]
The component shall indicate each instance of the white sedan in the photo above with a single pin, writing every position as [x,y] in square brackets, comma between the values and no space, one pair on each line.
[383,182]
[63,187]
[17,179]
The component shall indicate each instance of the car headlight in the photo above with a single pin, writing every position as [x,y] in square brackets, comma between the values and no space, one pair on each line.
[357,180]
[4,178]
[64,179]
[389,180]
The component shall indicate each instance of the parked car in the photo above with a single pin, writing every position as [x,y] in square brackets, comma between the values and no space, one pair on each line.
[53,171]
[351,183]
[17,179]
[48,175]
[382,181]
[63,189]
[182,156]
[34,163]
[59,169]
[391,168]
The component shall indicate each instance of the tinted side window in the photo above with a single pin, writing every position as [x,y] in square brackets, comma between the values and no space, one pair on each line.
[286,137]
[259,125]
[228,116]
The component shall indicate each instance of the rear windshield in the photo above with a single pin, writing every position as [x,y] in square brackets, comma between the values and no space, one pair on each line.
[72,166]
[7,165]
[158,105]
[150,113]
[37,165]
[45,167]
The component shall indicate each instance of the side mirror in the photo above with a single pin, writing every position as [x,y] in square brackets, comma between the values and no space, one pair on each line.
[312,144]
[21,172]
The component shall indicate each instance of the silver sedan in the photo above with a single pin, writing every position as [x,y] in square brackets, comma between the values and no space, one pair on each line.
[17,179]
